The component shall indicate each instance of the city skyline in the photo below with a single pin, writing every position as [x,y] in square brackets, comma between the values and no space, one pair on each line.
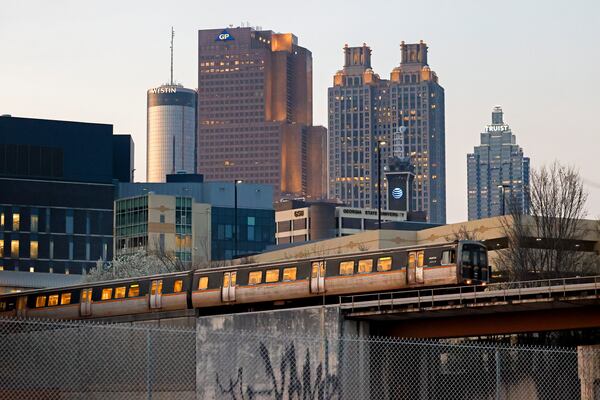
[537,72]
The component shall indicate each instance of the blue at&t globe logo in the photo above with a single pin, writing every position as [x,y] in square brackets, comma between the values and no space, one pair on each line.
[397,193]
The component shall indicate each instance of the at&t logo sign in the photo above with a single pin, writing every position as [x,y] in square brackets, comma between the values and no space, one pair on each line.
[397,193]
[223,36]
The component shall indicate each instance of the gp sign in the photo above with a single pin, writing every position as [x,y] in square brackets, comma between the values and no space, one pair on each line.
[223,36]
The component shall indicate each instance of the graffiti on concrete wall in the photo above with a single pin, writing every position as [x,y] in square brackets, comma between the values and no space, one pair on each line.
[311,381]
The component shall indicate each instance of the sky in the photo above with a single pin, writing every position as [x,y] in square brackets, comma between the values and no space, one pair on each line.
[93,61]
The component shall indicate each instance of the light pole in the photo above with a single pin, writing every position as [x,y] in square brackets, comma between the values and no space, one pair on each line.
[502,188]
[380,143]
[235,207]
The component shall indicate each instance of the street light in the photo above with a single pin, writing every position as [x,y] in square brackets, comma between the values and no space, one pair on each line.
[380,143]
[235,207]
[502,188]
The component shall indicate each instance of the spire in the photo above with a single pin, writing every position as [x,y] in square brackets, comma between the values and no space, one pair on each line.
[172,36]
[497,116]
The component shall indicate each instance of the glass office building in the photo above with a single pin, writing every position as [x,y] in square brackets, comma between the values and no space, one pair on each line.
[497,172]
[171,131]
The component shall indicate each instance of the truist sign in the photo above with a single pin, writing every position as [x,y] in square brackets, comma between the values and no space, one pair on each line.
[163,89]
[224,36]
[496,128]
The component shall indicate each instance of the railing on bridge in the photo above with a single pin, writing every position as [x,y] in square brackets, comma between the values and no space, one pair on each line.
[460,296]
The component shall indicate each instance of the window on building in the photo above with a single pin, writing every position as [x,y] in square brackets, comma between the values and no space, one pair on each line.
[384,264]
[106,294]
[255,277]
[34,223]
[16,221]
[52,300]
[120,292]
[65,298]
[33,249]
[289,274]
[31,269]
[346,267]
[134,290]
[69,222]
[365,266]
[1,221]
[272,276]
[1,247]
[40,301]
[178,286]
[14,248]
[203,283]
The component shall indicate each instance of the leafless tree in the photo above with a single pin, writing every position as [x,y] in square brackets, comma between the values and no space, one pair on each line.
[462,233]
[543,244]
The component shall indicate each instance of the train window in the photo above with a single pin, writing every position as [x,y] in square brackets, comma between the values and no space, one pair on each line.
[272,276]
[233,278]
[226,280]
[120,292]
[156,287]
[365,266]
[65,298]
[448,257]
[289,274]
[255,277]
[420,258]
[412,258]
[346,267]
[2,306]
[106,294]
[203,283]
[134,290]
[52,300]
[384,264]
[85,295]
[40,301]
[178,286]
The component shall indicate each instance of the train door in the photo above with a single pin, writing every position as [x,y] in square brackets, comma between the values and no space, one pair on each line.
[156,294]
[419,269]
[21,306]
[317,277]
[85,305]
[228,289]
[412,263]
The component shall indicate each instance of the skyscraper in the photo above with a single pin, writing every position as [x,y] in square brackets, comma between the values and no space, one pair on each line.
[367,114]
[171,131]
[497,172]
[255,112]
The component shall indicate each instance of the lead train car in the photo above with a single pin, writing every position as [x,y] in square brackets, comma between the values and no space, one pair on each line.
[463,262]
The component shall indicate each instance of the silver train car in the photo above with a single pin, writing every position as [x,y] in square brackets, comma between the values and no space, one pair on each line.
[459,263]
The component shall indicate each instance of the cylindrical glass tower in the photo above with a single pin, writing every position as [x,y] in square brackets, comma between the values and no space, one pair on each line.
[171,132]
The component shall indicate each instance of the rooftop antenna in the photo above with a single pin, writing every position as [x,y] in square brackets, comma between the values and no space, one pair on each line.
[172,36]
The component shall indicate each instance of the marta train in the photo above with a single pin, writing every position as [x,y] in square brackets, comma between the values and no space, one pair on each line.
[459,263]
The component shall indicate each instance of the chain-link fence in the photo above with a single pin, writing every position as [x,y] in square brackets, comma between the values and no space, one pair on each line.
[77,360]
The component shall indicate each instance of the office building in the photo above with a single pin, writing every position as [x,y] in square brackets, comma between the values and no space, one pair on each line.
[255,112]
[172,226]
[299,221]
[171,131]
[368,114]
[56,199]
[497,172]
[214,209]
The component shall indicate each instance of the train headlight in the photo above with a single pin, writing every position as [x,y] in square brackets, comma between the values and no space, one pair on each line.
[468,282]
[483,283]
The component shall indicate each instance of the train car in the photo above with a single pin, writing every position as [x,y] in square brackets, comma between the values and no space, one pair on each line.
[459,263]
[164,292]
[463,262]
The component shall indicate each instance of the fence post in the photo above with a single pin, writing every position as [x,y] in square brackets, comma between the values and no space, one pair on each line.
[148,366]
[497,374]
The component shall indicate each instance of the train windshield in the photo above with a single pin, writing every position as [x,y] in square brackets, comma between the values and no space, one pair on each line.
[474,255]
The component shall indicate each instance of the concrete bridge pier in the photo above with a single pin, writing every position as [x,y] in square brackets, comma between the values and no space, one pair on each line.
[588,366]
